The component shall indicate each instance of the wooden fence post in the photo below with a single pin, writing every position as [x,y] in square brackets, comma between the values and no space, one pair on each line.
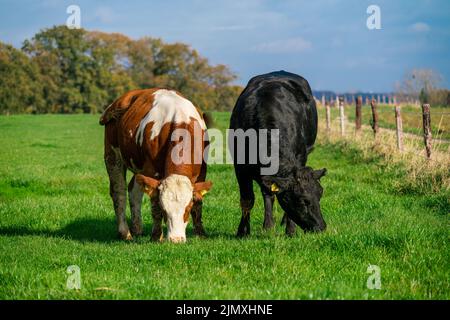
[427,128]
[341,115]
[358,114]
[398,118]
[328,115]
[375,128]
[323,100]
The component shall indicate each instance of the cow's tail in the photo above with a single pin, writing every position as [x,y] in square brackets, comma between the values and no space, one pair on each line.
[112,112]
[208,118]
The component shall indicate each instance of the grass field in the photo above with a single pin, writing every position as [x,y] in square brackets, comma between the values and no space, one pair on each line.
[56,211]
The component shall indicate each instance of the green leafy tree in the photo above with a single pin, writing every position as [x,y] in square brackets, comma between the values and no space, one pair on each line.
[20,83]
[74,70]
[60,53]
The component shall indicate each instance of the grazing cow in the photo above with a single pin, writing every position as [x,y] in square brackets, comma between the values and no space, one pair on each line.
[140,128]
[283,101]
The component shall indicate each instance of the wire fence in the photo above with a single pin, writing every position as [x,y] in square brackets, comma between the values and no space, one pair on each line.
[423,124]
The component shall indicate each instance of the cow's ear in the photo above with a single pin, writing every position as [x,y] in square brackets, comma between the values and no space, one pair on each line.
[275,184]
[200,189]
[149,185]
[317,174]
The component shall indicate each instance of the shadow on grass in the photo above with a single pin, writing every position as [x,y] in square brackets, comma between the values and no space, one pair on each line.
[95,230]
[83,230]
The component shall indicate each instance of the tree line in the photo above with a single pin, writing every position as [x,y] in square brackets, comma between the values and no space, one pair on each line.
[62,70]
[423,85]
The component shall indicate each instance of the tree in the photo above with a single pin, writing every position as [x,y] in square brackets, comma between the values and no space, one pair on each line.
[60,54]
[110,63]
[74,70]
[141,54]
[418,84]
[20,83]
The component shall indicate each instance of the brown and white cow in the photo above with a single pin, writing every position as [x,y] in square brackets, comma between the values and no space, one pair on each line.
[140,128]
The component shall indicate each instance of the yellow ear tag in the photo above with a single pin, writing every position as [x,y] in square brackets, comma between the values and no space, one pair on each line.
[274,188]
[203,192]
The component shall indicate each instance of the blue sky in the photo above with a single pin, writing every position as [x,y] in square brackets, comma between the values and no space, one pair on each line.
[326,41]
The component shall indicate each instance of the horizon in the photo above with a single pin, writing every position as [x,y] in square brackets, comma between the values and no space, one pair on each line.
[257,36]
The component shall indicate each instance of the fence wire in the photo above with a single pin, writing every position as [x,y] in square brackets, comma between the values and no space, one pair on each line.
[412,132]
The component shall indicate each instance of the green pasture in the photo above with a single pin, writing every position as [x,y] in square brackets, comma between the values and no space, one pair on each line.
[56,212]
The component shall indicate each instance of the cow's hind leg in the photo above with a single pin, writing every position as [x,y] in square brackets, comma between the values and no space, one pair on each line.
[135,198]
[117,189]
[157,215]
[247,201]
[196,213]
[268,207]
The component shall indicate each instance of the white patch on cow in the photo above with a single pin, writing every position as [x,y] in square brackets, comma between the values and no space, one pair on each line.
[175,194]
[168,107]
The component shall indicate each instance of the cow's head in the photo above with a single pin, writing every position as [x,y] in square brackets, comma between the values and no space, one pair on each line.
[176,195]
[299,196]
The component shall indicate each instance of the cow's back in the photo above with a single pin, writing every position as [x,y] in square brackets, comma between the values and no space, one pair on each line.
[146,124]
[279,100]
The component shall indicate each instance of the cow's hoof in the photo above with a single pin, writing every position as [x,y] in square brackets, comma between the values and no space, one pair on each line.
[137,231]
[242,234]
[157,237]
[126,236]
[200,233]
[290,234]
[268,224]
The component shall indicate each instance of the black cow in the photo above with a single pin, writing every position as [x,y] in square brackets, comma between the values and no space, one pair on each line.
[284,101]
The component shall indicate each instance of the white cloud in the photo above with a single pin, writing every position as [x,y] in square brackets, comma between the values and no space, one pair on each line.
[420,27]
[232,28]
[105,14]
[292,45]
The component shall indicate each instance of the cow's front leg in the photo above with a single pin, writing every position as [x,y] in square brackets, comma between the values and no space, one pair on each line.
[268,210]
[117,189]
[196,213]
[290,225]
[135,198]
[157,215]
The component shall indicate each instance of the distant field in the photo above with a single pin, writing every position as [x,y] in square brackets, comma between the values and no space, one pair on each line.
[56,212]
[411,117]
